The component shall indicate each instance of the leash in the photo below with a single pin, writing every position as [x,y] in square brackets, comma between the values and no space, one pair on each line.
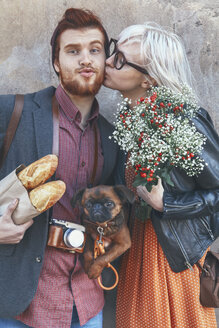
[100,250]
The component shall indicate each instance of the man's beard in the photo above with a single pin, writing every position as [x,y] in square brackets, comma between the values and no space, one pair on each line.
[76,88]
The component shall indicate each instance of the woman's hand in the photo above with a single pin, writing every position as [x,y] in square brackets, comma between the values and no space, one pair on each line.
[11,233]
[153,198]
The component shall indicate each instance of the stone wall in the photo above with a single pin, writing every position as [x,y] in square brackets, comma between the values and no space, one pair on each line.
[27,25]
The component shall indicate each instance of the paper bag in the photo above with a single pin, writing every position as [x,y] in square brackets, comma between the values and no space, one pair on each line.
[11,188]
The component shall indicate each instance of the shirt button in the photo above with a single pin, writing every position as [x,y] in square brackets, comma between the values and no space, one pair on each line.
[38,259]
[83,164]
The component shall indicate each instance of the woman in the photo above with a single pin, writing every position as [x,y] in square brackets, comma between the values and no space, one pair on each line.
[156,287]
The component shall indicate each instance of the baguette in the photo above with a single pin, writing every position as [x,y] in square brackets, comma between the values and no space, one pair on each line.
[38,172]
[46,195]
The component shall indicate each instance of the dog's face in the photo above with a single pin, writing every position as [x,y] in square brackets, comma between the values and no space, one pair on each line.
[103,203]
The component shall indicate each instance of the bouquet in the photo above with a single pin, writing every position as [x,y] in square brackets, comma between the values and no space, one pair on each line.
[158,133]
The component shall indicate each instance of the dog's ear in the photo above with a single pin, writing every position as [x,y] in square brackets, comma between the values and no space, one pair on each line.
[124,193]
[77,197]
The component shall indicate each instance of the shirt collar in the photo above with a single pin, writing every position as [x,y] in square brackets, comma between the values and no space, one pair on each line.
[71,111]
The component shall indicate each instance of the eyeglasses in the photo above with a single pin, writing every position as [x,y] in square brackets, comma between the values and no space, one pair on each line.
[119,58]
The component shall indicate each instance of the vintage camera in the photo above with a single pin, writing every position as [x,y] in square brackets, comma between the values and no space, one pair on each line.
[66,235]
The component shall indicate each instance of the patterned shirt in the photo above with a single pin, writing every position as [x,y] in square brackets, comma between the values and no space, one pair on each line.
[62,281]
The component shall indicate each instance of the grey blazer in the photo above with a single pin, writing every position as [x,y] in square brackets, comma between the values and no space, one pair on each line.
[20,264]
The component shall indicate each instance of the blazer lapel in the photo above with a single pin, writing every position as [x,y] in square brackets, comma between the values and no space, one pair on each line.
[43,122]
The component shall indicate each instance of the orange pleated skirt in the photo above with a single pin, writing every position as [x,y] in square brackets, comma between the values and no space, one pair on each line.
[151,295]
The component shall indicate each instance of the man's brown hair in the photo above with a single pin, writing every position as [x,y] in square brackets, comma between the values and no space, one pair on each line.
[75,18]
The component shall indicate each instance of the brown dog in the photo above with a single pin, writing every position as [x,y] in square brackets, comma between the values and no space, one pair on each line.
[106,210]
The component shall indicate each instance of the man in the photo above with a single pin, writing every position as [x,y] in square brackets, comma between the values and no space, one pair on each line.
[42,286]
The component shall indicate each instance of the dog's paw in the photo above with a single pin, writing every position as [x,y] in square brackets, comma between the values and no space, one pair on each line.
[94,271]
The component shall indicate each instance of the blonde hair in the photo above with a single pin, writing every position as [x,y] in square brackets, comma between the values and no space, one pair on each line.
[163,54]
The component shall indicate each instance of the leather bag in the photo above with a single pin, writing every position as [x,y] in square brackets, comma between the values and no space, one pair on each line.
[209,281]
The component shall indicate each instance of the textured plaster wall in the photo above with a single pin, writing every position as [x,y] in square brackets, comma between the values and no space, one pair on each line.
[27,25]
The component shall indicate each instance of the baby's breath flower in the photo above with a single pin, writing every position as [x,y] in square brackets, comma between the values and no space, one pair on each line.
[158,133]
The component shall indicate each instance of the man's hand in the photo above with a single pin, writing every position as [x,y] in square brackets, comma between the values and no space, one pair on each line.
[153,198]
[11,233]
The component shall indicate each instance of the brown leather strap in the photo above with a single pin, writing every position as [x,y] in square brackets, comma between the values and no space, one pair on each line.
[95,156]
[55,116]
[12,127]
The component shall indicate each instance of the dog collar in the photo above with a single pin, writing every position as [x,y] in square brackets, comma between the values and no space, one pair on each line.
[103,224]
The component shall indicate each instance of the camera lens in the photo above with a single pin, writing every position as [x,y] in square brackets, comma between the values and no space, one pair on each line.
[73,238]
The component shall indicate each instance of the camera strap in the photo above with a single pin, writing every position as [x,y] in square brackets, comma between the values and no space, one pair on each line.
[95,157]
[55,118]
[14,121]
[12,127]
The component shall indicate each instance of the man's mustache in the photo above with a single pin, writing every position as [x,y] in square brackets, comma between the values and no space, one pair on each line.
[87,69]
